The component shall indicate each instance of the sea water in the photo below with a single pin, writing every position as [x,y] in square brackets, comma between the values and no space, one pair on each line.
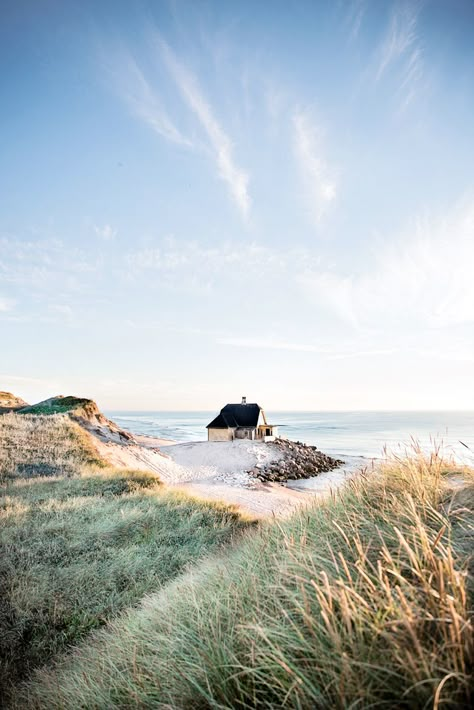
[361,434]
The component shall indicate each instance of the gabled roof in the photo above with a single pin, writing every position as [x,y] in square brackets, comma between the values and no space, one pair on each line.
[235,415]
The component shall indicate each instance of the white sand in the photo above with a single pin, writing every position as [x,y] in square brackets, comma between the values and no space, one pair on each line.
[223,461]
[218,471]
[152,442]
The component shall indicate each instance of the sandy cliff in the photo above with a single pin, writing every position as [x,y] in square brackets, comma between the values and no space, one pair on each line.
[10,403]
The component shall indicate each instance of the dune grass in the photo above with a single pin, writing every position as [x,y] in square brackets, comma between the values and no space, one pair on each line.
[363,601]
[42,446]
[81,541]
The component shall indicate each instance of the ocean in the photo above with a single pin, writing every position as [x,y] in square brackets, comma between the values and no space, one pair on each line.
[336,433]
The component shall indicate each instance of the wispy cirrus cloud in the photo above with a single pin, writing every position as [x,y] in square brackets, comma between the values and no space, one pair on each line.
[419,279]
[318,179]
[143,98]
[142,92]
[335,351]
[354,17]
[401,48]
[236,178]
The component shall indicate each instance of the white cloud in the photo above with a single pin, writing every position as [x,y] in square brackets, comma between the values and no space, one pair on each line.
[143,99]
[336,351]
[44,264]
[354,17]
[236,178]
[183,261]
[420,279]
[106,232]
[139,92]
[319,181]
[401,48]
[413,76]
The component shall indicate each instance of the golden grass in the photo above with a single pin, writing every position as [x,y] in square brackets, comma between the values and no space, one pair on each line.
[362,601]
[45,445]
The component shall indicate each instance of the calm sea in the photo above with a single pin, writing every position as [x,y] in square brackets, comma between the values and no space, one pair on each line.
[336,433]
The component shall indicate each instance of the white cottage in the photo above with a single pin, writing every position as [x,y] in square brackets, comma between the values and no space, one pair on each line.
[241,421]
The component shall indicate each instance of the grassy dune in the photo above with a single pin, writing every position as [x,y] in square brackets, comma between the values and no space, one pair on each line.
[33,446]
[80,541]
[364,601]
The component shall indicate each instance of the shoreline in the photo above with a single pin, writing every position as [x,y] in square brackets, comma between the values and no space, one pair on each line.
[152,441]
[338,434]
[219,471]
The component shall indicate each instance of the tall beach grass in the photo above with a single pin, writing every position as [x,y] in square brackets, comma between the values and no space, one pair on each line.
[362,601]
[81,541]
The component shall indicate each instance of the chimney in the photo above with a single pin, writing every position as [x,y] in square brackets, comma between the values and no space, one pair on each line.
[244,400]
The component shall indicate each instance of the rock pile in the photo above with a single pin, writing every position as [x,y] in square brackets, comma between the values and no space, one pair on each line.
[296,460]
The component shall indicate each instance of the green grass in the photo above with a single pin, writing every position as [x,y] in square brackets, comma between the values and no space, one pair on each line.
[85,541]
[363,601]
[58,405]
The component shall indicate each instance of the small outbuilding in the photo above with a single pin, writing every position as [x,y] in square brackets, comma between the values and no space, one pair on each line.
[241,421]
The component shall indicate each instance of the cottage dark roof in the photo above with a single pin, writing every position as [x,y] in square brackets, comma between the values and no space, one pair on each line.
[235,415]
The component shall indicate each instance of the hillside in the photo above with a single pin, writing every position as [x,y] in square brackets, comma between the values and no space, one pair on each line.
[84,411]
[80,540]
[9,402]
[364,600]
[117,591]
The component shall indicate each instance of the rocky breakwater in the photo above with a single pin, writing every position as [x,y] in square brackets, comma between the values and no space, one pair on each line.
[295,460]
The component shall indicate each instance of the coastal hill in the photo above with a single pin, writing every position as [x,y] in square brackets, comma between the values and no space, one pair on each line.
[10,403]
[242,473]
[82,540]
[121,585]
[85,412]
[59,405]
[118,589]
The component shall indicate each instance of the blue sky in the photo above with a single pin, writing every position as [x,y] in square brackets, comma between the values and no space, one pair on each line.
[202,200]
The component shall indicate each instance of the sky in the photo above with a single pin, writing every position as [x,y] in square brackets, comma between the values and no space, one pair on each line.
[204,200]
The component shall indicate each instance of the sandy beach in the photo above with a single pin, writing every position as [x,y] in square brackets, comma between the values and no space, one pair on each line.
[219,471]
